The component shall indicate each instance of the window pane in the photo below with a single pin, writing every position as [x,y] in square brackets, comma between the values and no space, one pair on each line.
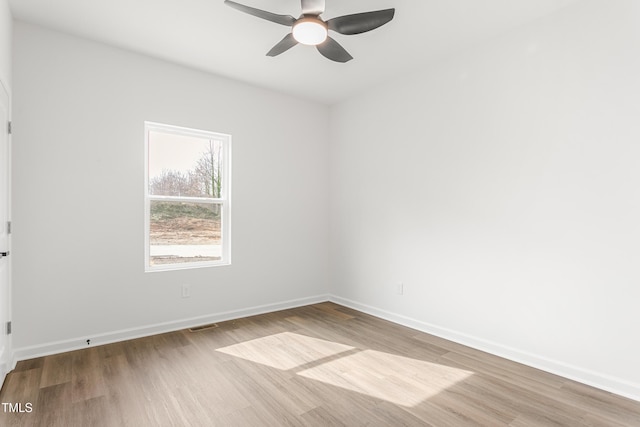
[184,166]
[184,232]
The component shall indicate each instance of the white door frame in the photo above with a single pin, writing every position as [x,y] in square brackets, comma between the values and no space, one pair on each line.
[7,361]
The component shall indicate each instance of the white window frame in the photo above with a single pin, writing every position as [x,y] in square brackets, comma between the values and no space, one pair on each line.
[224,201]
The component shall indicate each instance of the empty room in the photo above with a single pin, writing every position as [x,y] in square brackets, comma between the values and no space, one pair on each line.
[320,213]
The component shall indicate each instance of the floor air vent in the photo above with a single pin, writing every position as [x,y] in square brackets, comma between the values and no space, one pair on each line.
[203,327]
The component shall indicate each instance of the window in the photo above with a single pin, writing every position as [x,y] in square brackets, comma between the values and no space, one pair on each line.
[187,202]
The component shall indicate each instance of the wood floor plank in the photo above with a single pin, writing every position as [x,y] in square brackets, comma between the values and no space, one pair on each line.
[320,365]
[480,365]
[86,375]
[53,407]
[56,369]
[92,412]
[322,416]
[125,393]
[22,386]
[610,407]
[26,365]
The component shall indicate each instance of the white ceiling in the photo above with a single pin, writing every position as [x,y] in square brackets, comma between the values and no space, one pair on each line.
[209,36]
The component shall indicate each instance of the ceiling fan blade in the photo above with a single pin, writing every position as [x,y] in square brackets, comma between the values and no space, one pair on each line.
[283,45]
[332,50]
[360,22]
[278,19]
[312,7]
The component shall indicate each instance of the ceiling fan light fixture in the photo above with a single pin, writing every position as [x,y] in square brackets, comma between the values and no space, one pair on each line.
[310,31]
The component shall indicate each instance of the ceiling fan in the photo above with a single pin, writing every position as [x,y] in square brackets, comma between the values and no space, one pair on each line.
[312,30]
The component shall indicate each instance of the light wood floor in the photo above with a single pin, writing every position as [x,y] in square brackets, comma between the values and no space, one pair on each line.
[321,365]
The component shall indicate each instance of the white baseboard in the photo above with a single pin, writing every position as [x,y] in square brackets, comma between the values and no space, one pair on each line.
[595,379]
[5,368]
[25,353]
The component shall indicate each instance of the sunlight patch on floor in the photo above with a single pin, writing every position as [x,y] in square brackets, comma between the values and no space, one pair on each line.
[286,350]
[397,379]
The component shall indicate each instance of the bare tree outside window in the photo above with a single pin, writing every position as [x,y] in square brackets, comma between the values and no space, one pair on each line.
[203,180]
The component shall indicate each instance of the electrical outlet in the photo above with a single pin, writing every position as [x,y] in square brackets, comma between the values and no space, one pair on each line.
[399,288]
[186,291]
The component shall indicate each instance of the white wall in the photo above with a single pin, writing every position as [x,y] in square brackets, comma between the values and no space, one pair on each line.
[78,194]
[5,43]
[502,187]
